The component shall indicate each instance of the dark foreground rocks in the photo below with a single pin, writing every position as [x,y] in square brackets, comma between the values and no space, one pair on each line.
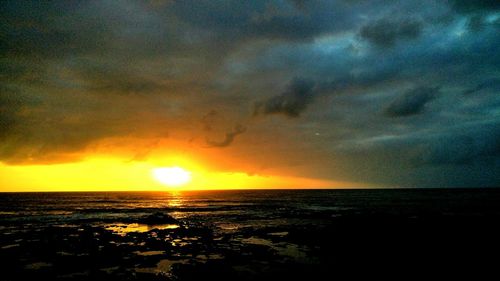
[354,245]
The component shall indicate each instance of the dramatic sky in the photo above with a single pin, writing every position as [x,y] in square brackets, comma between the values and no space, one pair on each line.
[276,93]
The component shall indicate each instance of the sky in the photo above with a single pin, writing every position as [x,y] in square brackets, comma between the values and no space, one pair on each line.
[297,93]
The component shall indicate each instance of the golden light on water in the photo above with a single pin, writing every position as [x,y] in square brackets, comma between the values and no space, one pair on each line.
[172,176]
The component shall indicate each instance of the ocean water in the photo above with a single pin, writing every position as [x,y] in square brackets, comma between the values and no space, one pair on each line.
[243,207]
[249,234]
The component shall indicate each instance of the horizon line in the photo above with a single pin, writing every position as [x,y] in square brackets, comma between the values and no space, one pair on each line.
[250,189]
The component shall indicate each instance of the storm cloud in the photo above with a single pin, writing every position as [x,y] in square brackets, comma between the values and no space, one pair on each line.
[228,138]
[472,6]
[391,93]
[386,32]
[292,102]
[412,102]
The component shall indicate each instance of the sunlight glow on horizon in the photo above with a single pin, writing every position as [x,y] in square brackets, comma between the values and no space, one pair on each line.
[114,174]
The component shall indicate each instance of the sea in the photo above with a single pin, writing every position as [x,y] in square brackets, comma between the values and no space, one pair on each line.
[244,234]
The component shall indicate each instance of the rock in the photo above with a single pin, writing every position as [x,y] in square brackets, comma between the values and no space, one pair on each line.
[159,218]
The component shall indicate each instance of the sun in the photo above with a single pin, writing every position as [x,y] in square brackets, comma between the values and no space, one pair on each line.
[172,176]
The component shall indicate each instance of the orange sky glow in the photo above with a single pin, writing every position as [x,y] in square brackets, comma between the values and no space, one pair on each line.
[114,174]
[118,165]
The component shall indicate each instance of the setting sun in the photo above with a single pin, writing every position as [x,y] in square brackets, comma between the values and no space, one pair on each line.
[172,176]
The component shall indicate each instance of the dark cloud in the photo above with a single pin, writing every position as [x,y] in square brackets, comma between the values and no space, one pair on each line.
[297,27]
[239,21]
[35,138]
[476,23]
[7,117]
[41,127]
[477,11]
[94,46]
[114,79]
[292,102]
[51,30]
[430,158]
[466,6]
[460,147]
[21,71]
[300,4]
[460,144]
[214,124]
[386,32]
[490,84]
[12,102]
[412,102]
[208,119]
[229,137]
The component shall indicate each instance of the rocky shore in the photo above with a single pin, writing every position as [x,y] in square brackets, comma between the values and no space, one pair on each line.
[160,247]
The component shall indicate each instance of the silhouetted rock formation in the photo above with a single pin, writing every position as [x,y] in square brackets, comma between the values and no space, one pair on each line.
[159,218]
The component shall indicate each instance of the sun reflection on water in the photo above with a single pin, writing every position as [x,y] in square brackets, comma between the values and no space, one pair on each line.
[124,228]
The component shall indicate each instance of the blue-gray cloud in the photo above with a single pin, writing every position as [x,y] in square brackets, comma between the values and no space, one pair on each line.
[411,102]
[292,102]
[386,32]
[473,6]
